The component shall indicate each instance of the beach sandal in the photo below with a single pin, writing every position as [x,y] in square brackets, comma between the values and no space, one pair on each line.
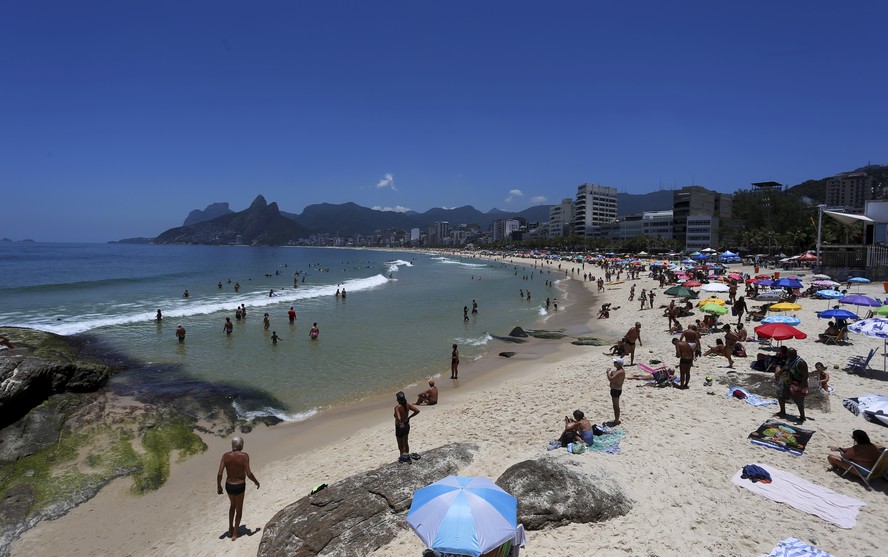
[415,456]
[404,458]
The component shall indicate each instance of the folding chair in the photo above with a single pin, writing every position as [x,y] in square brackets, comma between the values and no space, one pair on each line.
[842,336]
[867,474]
[860,365]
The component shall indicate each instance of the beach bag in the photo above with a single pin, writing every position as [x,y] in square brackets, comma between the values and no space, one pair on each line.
[576,447]
[568,438]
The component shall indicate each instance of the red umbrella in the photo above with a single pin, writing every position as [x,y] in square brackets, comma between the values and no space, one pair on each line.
[779,331]
[762,276]
[692,283]
[735,276]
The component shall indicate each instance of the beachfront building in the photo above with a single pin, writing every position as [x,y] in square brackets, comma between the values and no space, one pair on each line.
[561,219]
[697,214]
[414,235]
[651,224]
[850,190]
[439,232]
[595,206]
[503,228]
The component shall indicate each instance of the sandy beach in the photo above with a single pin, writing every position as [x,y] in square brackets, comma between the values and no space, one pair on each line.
[677,458]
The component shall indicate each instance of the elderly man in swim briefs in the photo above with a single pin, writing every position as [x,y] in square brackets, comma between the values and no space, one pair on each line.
[236,464]
[633,336]
[692,336]
[429,396]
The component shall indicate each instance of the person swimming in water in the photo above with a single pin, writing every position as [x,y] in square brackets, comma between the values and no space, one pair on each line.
[314,332]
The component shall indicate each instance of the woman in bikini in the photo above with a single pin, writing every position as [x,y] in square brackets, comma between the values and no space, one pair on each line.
[454,363]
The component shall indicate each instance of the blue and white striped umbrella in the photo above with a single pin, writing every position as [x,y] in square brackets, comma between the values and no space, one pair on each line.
[463,516]
[785,319]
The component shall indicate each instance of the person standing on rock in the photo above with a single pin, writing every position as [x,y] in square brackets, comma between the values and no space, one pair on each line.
[403,412]
[236,464]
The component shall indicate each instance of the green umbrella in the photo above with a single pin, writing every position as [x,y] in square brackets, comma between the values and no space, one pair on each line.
[882,310]
[714,308]
[680,291]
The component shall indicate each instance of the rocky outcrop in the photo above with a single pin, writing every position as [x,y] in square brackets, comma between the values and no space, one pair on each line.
[545,500]
[362,513]
[213,210]
[40,365]
[518,332]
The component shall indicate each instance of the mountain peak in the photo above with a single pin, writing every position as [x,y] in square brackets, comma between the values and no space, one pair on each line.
[259,203]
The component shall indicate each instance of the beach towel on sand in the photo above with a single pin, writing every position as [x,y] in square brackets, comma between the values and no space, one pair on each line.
[792,547]
[783,437]
[750,398]
[803,495]
[607,443]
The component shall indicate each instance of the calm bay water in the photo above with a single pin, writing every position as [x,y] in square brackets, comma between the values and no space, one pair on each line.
[402,313]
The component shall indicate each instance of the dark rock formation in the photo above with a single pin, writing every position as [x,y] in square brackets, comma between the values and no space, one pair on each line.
[362,513]
[551,335]
[545,501]
[507,354]
[40,365]
[518,332]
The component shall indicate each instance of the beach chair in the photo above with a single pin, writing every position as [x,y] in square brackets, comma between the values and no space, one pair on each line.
[859,364]
[866,474]
[842,336]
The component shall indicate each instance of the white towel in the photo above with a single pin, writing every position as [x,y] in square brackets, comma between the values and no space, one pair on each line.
[832,507]
[792,547]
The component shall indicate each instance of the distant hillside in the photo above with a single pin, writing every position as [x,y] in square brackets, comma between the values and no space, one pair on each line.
[214,210]
[816,189]
[260,224]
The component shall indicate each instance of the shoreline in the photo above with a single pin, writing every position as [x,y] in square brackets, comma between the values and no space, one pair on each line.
[678,454]
[331,426]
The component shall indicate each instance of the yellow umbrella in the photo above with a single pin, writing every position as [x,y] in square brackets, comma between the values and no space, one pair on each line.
[785,306]
[718,301]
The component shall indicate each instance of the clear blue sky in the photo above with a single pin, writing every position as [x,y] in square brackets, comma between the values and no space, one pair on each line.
[119,117]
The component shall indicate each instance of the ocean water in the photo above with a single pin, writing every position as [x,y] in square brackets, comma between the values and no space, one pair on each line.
[403,312]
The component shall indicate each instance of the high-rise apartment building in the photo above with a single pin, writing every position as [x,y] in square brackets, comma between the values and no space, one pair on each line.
[850,190]
[561,219]
[595,206]
[697,214]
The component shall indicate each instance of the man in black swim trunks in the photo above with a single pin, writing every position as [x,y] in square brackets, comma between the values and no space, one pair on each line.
[615,377]
[403,412]
[685,355]
[237,465]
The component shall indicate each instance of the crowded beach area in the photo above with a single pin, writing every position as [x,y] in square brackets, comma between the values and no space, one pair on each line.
[677,450]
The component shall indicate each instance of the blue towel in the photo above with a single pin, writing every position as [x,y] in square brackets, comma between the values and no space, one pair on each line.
[792,547]
[752,399]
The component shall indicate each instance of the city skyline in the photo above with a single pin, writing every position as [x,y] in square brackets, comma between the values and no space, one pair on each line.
[120,119]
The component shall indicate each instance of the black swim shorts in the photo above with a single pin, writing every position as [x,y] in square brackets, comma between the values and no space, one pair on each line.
[615,393]
[686,361]
[402,429]
[235,489]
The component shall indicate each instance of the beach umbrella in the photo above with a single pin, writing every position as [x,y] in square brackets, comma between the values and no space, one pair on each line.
[779,331]
[714,309]
[680,291]
[875,327]
[715,287]
[822,277]
[764,282]
[701,256]
[882,310]
[836,314]
[688,261]
[785,306]
[717,301]
[859,300]
[788,283]
[826,283]
[463,516]
[762,276]
[693,283]
[858,281]
[829,294]
[735,276]
[785,319]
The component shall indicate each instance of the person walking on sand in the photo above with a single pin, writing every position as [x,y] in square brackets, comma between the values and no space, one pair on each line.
[632,293]
[236,464]
[454,363]
[685,355]
[643,298]
[180,333]
[633,336]
[615,376]
[403,412]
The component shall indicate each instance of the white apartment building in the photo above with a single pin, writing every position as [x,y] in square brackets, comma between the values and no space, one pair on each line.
[561,219]
[595,206]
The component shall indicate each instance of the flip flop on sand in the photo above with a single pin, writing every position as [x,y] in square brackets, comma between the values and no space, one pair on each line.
[415,456]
